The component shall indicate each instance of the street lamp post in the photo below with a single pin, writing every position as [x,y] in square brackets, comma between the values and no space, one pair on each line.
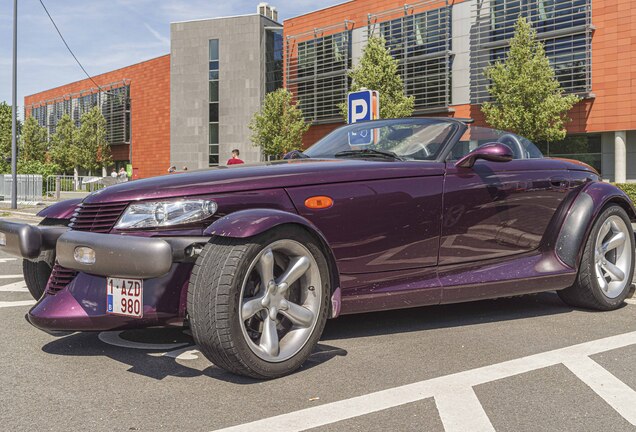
[14,111]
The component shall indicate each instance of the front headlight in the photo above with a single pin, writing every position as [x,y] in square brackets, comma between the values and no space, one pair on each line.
[165,213]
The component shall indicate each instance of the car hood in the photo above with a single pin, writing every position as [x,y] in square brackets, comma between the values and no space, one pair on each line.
[269,175]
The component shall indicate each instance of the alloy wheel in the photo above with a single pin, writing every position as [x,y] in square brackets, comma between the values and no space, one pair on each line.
[280,300]
[613,256]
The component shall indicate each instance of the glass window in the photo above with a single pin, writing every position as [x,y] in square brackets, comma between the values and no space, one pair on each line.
[214,49]
[214,91]
[421,43]
[318,76]
[476,136]
[585,148]
[214,133]
[273,60]
[114,103]
[214,112]
[409,139]
[564,27]
[213,151]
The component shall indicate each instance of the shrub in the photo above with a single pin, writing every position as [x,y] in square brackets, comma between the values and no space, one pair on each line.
[629,189]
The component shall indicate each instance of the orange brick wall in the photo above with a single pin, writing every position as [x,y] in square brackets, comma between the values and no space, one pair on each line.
[613,62]
[150,112]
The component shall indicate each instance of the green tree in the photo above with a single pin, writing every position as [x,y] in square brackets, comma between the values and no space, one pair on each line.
[5,137]
[279,127]
[377,70]
[33,141]
[64,149]
[526,97]
[93,149]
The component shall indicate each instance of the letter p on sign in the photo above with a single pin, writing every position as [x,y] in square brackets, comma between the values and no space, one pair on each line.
[363,106]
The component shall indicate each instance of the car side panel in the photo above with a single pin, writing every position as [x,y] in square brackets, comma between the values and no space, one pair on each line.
[378,226]
[496,210]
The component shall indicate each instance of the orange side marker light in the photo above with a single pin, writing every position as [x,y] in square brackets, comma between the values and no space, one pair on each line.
[318,202]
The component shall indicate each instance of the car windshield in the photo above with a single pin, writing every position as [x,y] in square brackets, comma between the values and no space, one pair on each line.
[403,139]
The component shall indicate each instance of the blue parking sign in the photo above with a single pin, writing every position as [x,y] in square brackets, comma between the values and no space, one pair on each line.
[362,106]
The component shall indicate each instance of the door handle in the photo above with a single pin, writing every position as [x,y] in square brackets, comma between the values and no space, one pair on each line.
[559,183]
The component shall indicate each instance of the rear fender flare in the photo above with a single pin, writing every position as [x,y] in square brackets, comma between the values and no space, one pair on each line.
[249,223]
[581,216]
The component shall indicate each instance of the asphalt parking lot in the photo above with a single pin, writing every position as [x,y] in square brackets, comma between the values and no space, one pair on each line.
[518,364]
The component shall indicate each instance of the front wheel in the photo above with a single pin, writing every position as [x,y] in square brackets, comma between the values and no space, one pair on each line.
[258,306]
[607,266]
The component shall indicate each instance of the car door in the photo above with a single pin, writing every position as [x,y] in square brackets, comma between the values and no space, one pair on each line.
[498,209]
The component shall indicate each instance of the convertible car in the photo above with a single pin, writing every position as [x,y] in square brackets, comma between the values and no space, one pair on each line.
[379,215]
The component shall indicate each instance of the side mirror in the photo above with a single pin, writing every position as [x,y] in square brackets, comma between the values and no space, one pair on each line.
[493,152]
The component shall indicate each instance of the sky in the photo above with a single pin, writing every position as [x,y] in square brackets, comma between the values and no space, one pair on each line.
[104,34]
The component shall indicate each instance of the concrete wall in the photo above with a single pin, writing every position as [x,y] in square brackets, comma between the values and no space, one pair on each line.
[241,87]
[607,162]
[461,50]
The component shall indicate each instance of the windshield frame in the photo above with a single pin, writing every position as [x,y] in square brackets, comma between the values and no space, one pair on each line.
[459,127]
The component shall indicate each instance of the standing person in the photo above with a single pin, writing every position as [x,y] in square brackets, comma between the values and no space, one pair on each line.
[234,160]
[122,176]
[113,173]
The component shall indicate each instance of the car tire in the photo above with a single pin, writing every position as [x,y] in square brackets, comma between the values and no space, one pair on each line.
[36,273]
[245,318]
[607,265]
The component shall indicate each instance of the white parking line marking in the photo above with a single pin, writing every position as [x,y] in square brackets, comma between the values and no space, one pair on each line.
[615,392]
[4,260]
[471,417]
[187,353]
[6,304]
[11,276]
[14,287]
[437,387]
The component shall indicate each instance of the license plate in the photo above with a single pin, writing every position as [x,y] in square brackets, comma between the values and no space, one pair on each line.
[125,297]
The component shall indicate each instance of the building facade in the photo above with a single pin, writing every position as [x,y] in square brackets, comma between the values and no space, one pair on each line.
[220,71]
[443,47]
[135,102]
[189,108]
[192,107]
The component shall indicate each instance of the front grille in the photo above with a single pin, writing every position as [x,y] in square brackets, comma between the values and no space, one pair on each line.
[59,279]
[99,218]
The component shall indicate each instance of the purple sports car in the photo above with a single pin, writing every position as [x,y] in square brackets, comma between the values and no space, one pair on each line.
[379,215]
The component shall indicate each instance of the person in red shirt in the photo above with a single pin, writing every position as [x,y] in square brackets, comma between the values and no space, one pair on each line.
[234,160]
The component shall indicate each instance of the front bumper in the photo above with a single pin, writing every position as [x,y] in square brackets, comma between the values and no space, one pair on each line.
[28,241]
[164,263]
[123,256]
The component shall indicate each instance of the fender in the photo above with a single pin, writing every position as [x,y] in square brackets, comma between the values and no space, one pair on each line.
[581,216]
[60,210]
[248,223]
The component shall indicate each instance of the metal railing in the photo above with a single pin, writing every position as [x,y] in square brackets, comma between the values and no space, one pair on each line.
[29,188]
[67,186]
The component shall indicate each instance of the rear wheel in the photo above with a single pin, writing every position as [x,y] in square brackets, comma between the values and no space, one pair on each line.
[258,306]
[37,272]
[607,266]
